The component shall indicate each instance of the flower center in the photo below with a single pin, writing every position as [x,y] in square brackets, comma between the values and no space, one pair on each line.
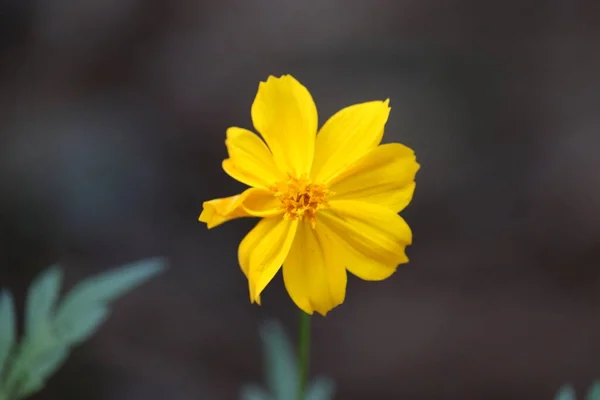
[301,199]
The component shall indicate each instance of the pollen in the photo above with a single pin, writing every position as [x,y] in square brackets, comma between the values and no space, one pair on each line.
[301,199]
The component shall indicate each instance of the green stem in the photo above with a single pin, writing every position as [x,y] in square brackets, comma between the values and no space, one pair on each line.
[303,353]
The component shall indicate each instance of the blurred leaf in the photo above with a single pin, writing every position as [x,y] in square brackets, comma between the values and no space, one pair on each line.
[280,362]
[320,389]
[39,337]
[594,391]
[109,285]
[41,300]
[100,290]
[40,370]
[51,335]
[253,392]
[566,393]
[79,326]
[32,352]
[7,328]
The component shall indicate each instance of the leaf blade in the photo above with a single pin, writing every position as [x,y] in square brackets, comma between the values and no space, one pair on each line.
[8,329]
[40,370]
[320,389]
[106,287]
[566,392]
[254,392]
[41,299]
[280,362]
[80,325]
[594,391]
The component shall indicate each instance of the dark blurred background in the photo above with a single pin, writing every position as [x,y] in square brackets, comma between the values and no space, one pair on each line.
[112,119]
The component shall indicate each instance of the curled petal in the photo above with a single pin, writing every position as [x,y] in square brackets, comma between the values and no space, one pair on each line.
[313,272]
[347,136]
[285,114]
[385,176]
[217,211]
[250,161]
[262,203]
[252,202]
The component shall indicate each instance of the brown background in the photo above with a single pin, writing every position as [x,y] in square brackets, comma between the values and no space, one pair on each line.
[112,121]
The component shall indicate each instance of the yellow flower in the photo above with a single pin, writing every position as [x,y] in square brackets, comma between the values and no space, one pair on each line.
[329,202]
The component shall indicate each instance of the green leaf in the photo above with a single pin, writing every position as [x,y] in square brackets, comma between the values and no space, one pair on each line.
[40,370]
[41,300]
[97,292]
[50,335]
[566,393]
[253,392]
[31,351]
[594,391]
[280,362]
[7,328]
[108,286]
[81,324]
[320,389]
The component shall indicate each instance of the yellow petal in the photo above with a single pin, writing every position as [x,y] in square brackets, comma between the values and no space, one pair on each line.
[249,242]
[252,202]
[261,203]
[347,136]
[262,251]
[384,176]
[250,161]
[313,272]
[373,231]
[285,114]
[359,264]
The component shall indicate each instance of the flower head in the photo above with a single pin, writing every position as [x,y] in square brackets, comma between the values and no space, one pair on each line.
[328,201]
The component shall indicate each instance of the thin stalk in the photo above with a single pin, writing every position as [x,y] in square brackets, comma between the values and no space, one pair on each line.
[303,353]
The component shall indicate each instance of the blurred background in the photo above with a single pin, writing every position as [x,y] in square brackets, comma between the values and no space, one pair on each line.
[112,125]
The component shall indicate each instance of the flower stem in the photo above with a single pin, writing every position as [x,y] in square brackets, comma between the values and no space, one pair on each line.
[303,353]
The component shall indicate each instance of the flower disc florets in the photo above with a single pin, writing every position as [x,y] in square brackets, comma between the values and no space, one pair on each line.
[301,199]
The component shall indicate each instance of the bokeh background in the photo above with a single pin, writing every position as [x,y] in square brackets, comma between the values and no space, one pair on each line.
[112,122]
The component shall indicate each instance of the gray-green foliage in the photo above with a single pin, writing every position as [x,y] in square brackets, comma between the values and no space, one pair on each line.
[594,391]
[53,328]
[281,373]
[568,393]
